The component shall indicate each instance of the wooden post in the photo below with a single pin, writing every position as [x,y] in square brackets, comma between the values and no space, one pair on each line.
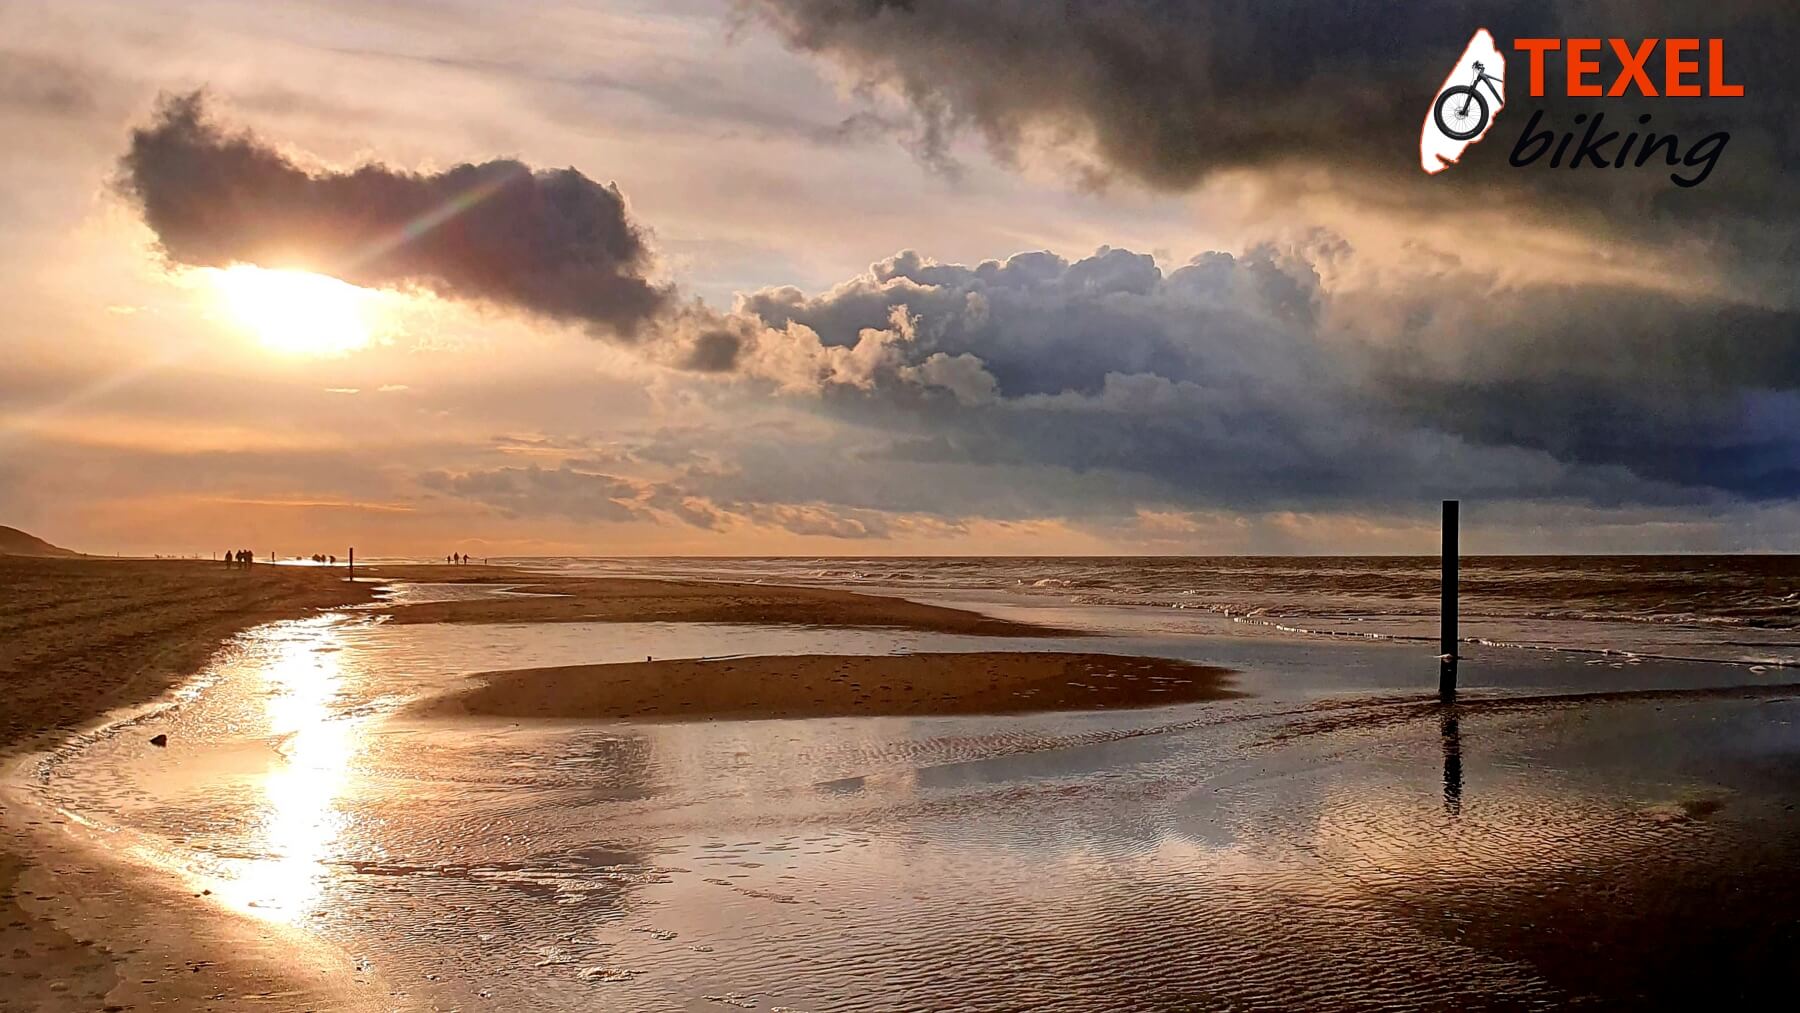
[352,562]
[1447,609]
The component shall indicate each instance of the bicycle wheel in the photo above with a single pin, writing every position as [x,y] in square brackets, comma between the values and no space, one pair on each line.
[1460,112]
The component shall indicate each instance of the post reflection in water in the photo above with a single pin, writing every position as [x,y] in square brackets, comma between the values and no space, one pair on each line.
[300,674]
[1453,773]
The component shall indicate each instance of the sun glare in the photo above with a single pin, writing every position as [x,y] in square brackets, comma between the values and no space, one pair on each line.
[298,312]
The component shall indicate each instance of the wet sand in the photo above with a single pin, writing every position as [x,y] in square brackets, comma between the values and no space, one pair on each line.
[80,931]
[81,638]
[835,685]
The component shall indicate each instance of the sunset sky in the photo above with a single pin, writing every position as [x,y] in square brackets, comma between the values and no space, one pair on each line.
[836,277]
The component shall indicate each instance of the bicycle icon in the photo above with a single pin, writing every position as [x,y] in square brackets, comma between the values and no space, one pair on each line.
[1460,121]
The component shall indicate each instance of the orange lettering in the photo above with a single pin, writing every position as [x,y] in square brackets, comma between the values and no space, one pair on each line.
[1674,67]
[1536,48]
[1579,68]
[1632,67]
[1715,71]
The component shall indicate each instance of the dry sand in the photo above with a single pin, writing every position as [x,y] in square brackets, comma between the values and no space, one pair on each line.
[817,685]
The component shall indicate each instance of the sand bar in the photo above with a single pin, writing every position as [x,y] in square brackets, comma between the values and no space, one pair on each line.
[630,599]
[817,685]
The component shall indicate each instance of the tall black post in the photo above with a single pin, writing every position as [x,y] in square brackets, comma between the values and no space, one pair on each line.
[352,562]
[1447,609]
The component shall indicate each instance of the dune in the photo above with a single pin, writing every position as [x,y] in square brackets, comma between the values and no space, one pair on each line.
[14,542]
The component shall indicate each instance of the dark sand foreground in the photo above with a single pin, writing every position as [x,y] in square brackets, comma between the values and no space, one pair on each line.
[816,685]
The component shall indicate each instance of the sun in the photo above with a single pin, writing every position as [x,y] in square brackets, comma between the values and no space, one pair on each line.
[298,312]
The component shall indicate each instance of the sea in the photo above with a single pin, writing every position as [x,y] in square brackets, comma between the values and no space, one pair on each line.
[1727,608]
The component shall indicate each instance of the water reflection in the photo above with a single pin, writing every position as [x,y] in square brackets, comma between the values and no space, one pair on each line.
[1244,854]
[1453,772]
[298,671]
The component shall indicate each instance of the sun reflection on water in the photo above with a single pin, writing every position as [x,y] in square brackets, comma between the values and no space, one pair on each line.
[302,676]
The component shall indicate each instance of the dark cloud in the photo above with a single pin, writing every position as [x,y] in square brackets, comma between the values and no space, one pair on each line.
[1246,381]
[552,242]
[1167,92]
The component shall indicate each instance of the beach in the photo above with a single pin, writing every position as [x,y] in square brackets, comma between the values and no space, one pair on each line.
[83,637]
[80,638]
[560,786]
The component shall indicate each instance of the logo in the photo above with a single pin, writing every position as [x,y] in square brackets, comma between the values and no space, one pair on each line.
[1607,70]
[1472,95]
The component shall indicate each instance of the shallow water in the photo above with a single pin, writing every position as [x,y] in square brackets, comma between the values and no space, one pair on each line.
[1326,843]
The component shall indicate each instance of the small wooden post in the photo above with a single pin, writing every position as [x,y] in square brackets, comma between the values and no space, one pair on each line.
[1447,609]
[352,562]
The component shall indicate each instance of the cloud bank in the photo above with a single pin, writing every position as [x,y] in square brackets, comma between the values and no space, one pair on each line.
[1265,380]
[1254,379]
